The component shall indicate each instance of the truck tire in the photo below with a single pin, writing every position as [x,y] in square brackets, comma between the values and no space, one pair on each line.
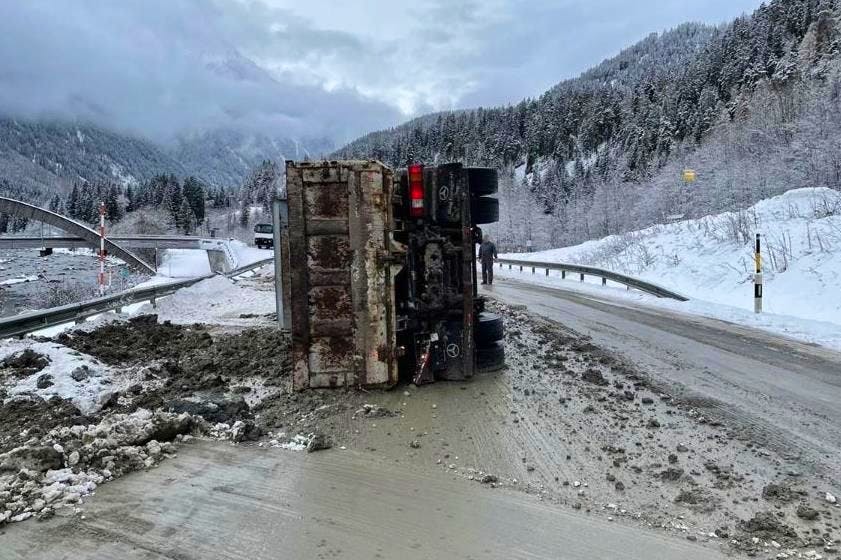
[484,210]
[491,358]
[489,329]
[482,180]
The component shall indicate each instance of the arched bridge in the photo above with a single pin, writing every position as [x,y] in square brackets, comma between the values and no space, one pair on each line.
[77,229]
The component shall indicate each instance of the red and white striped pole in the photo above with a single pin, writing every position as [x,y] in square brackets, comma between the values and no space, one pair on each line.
[101,248]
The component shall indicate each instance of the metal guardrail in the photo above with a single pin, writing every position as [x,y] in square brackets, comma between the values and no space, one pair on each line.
[605,275]
[26,323]
[133,241]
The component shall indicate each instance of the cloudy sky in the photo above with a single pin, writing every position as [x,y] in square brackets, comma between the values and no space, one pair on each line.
[334,68]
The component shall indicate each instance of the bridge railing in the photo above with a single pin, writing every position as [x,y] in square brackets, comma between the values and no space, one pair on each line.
[583,271]
[26,323]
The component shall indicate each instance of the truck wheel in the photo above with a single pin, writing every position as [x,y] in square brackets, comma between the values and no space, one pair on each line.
[482,180]
[484,210]
[491,358]
[489,329]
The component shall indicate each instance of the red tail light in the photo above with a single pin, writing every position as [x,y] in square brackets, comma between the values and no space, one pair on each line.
[416,191]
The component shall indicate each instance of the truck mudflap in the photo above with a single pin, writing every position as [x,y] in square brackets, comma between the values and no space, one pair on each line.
[341,255]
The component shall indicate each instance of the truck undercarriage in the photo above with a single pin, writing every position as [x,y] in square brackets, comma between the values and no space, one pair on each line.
[382,273]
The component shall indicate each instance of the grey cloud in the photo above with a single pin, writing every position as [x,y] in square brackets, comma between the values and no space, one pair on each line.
[163,67]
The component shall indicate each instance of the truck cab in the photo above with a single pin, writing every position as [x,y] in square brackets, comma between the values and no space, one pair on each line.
[264,236]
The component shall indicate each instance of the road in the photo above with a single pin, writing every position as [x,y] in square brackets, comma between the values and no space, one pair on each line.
[218,501]
[786,393]
[381,498]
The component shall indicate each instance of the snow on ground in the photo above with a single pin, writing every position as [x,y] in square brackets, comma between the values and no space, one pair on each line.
[92,385]
[21,280]
[191,263]
[218,300]
[88,253]
[711,261]
[184,263]
[246,254]
[816,332]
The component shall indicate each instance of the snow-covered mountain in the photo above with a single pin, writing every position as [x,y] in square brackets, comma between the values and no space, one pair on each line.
[751,106]
[44,154]
[39,159]
[225,157]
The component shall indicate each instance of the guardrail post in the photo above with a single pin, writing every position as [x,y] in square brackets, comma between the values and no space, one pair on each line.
[547,272]
[509,267]
[280,218]
[757,277]
[582,276]
[532,270]
[604,281]
[563,274]
[154,303]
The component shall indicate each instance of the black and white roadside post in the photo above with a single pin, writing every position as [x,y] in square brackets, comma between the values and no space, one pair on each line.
[757,278]
[279,215]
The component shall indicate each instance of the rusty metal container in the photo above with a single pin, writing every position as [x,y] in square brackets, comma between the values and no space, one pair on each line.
[341,270]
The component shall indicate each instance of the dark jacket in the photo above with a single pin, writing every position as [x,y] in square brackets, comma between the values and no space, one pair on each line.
[487,252]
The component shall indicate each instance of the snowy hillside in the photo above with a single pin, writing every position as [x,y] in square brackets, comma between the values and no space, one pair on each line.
[711,258]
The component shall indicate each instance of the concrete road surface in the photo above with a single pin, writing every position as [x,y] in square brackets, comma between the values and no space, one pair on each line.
[216,501]
[786,393]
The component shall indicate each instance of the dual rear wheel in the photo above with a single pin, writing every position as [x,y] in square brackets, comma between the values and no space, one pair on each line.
[488,334]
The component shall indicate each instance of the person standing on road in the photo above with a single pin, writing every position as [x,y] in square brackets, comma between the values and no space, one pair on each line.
[487,254]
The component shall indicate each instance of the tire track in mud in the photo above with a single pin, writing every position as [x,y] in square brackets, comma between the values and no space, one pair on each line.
[697,358]
[629,449]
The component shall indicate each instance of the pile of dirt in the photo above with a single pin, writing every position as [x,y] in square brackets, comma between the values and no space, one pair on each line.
[25,363]
[28,416]
[781,493]
[767,526]
[223,378]
[140,339]
[309,412]
[697,499]
[594,376]
[199,359]
[59,468]
[189,380]
[186,369]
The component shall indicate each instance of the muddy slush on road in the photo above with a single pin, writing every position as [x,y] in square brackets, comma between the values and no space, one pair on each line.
[565,422]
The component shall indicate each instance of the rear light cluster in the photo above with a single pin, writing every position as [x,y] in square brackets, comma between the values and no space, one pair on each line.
[416,191]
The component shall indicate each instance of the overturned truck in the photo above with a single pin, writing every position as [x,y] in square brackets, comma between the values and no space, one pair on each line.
[381,273]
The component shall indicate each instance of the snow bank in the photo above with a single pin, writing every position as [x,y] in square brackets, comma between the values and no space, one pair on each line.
[706,259]
[184,263]
[71,375]
[59,469]
[711,261]
[246,255]
[21,280]
[192,263]
[217,300]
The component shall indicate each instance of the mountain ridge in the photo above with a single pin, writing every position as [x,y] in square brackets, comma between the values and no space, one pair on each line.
[40,158]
